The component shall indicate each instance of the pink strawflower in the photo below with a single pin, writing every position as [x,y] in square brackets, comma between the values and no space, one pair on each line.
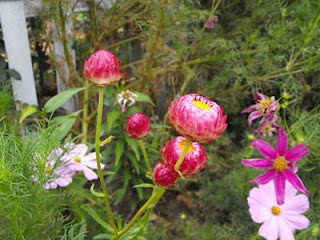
[102,69]
[280,164]
[278,221]
[126,97]
[211,22]
[197,118]
[77,159]
[164,175]
[265,107]
[138,126]
[194,161]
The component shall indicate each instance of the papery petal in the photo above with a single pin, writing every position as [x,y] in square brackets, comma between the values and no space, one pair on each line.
[296,205]
[265,149]
[296,221]
[264,178]
[282,143]
[270,229]
[297,153]
[285,232]
[253,116]
[295,181]
[89,174]
[257,163]
[280,184]
[250,108]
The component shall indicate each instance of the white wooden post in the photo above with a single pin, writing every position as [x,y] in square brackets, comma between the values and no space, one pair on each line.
[16,42]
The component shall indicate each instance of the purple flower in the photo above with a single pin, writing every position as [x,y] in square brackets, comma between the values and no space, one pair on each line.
[280,164]
[278,221]
[265,108]
[211,22]
[267,128]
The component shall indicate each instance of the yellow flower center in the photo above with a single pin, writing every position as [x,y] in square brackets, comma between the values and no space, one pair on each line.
[267,128]
[276,210]
[183,144]
[48,170]
[127,94]
[280,164]
[264,105]
[77,159]
[201,105]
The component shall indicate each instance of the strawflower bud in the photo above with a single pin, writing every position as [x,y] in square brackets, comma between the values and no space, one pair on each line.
[102,69]
[197,118]
[164,175]
[138,126]
[194,161]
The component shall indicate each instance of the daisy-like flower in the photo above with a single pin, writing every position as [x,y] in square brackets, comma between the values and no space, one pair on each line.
[197,118]
[267,129]
[77,159]
[280,164]
[125,97]
[265,108]
[278,221]
[164,175]
[194,161]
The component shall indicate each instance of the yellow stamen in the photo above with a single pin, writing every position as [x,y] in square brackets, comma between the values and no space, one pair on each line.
[276,210]
[127,94]
[201,105]
[183,144]
[77,159]
[48,170]
[280,164]
[264,105]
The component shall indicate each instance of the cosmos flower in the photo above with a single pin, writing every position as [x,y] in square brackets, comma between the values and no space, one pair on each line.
[197,118]
[102,69]
[211,22]
[267,128]
[164,175]
[194,161]
[138,126]
[126,97]
[280,164]
[278,220]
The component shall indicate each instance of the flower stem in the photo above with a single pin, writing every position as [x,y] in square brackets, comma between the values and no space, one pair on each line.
[184,153]
[145,155]
[100,174]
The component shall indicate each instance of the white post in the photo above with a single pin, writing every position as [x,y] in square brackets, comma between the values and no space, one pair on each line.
[16,42]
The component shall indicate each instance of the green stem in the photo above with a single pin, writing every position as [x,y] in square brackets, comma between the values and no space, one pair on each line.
[85,114]
[145,155]
[100,174]
[184,153]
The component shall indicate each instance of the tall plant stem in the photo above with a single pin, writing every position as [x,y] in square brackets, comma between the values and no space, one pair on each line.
[145,155]
[104,186]
[184,153]
[85,113]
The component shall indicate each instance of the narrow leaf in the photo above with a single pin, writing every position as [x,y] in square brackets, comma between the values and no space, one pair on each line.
[26,112]
[97,194]
[112,118]
[144,185]
[97,218]
[141,97]
[119,151]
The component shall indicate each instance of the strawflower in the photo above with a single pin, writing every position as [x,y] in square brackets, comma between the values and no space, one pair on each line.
[197,118]
[138,126]
[280,164]
[126,97]
[164,175]
[278,220]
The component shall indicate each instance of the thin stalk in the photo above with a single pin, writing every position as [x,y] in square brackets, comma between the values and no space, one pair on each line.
[85,113]
[145,155]
[100,174]
[184,153]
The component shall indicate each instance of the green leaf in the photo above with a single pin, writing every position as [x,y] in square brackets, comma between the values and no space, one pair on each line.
[112,118]
[57,101]
[26,112]
[102,236]
[97,194]
[62,119]
[14,74]
[63,129]
[123,190]
[133,145]
[134,162]
[144,185]
[141,97]
[119,151]
[97,218]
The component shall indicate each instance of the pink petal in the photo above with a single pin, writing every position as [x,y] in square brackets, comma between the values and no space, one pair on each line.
[285,232]
[296,153]
[290,192]
[268,193]
[296,205]
[256,163]
[89,157]
[295,181]
[296,221]
[63,181]
[250,109]
[264,178]
[259,213]
[280,185]
[273,106]
[282,143]
[270,229]
[265,149]
[93,164]
[89,174]
[253,116]
[259,96]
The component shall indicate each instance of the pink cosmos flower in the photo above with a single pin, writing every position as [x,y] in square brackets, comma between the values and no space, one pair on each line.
[211,22]
[267,129]
[194,161]
[265,108]
[164,175]
[138,126]
[197,118]
[102,69]
[280,164]
[77,159]
[125,97]
[279,221]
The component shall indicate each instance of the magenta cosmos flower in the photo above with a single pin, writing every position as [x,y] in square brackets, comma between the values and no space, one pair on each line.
[102,69]
[194,161]
[278,221]
[164,175]
[280,164]
[197,118]
[265,108]
[138,126]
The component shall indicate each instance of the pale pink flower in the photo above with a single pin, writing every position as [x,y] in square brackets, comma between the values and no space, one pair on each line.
[126,97]
[197,118]
[278,221]
[280,164]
